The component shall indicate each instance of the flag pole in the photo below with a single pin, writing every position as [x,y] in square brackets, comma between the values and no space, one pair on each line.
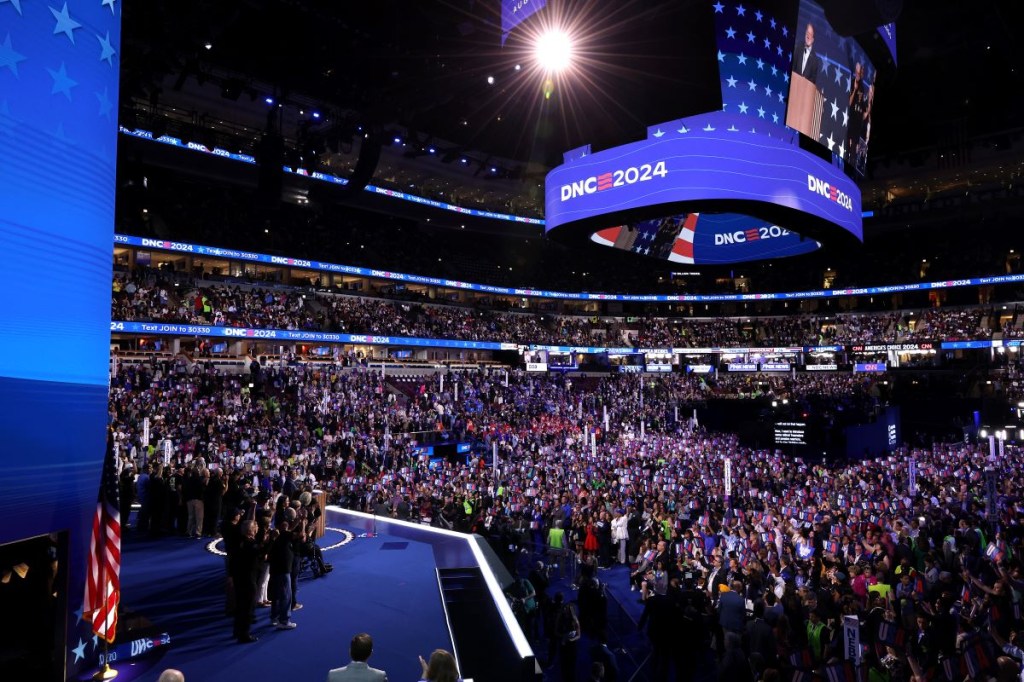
[105,672]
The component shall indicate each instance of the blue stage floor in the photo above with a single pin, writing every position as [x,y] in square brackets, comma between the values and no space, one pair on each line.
[384,585]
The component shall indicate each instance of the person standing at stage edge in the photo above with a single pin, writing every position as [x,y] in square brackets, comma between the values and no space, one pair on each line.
[243,566]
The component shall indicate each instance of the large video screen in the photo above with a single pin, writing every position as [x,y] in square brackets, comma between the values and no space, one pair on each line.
[754,44]
[831,88]
[707,239]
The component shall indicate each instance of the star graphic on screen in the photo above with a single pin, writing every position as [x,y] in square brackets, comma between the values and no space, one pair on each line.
[730,32]
[846,117]
[785,76]
[79,651]
[732,129]
[760,65]
[731,81]
[16,3]
[741,11]
[760,112]
[718,7]
[778,49]
[743,107]
[709,128]
[768,90]
[61,82]
[750,36]
[785,32]
[752,84]
[658,133]
[721,57]
[95,641]
[683,130]
[775,71]
[839,76]
[830,141]
[753,130]
[835,109]
[742,58]
[78,614]
[65,24]
[106,49]
[105,105]
[758,15]
[849,83]
[775,118]
[842,151]
[59,133]
[772,23]
[767,44]
[110,4]
[8,57]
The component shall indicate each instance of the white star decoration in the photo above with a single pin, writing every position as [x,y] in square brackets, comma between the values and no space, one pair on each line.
[752,84]
[741,10]
[718,7]
[760,112]
[110,4]
[742,58]
[730,32]
[842,151]
[65,24]
[846,117]
[835,109]
[730,80]
[750,36]
[743,107]
[830,141]
[16,3]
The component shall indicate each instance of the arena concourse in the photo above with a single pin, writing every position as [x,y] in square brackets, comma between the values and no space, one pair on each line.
[407,379]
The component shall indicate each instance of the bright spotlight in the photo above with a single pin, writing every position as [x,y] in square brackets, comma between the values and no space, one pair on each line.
[553,51]
[490,80]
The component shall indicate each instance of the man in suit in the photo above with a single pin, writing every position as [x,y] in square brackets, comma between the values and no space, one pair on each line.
[358,670]
[732,609]
[805,61]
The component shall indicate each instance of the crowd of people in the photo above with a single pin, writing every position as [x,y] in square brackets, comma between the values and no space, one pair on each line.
[924,555]
[147,294]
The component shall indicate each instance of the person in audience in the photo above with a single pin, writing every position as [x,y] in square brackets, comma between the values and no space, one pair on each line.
[441,668]
[358,670]
[171,675]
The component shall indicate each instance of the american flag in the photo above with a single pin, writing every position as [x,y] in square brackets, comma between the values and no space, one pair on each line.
[755,54]
[103,584]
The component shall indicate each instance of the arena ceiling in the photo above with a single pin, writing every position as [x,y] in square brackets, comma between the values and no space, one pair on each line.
[424,65]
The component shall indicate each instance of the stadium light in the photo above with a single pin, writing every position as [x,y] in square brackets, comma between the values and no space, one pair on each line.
[553,51]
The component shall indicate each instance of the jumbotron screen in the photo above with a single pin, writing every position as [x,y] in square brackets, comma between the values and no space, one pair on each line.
[706,239]
[831,88]
[783,65]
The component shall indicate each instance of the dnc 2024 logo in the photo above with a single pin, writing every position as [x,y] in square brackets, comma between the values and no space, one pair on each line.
[612,179]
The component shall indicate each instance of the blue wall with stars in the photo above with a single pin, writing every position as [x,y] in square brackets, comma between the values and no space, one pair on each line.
[58,137]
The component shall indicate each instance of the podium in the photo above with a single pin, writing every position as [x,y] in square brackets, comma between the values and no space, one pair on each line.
[805,107]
